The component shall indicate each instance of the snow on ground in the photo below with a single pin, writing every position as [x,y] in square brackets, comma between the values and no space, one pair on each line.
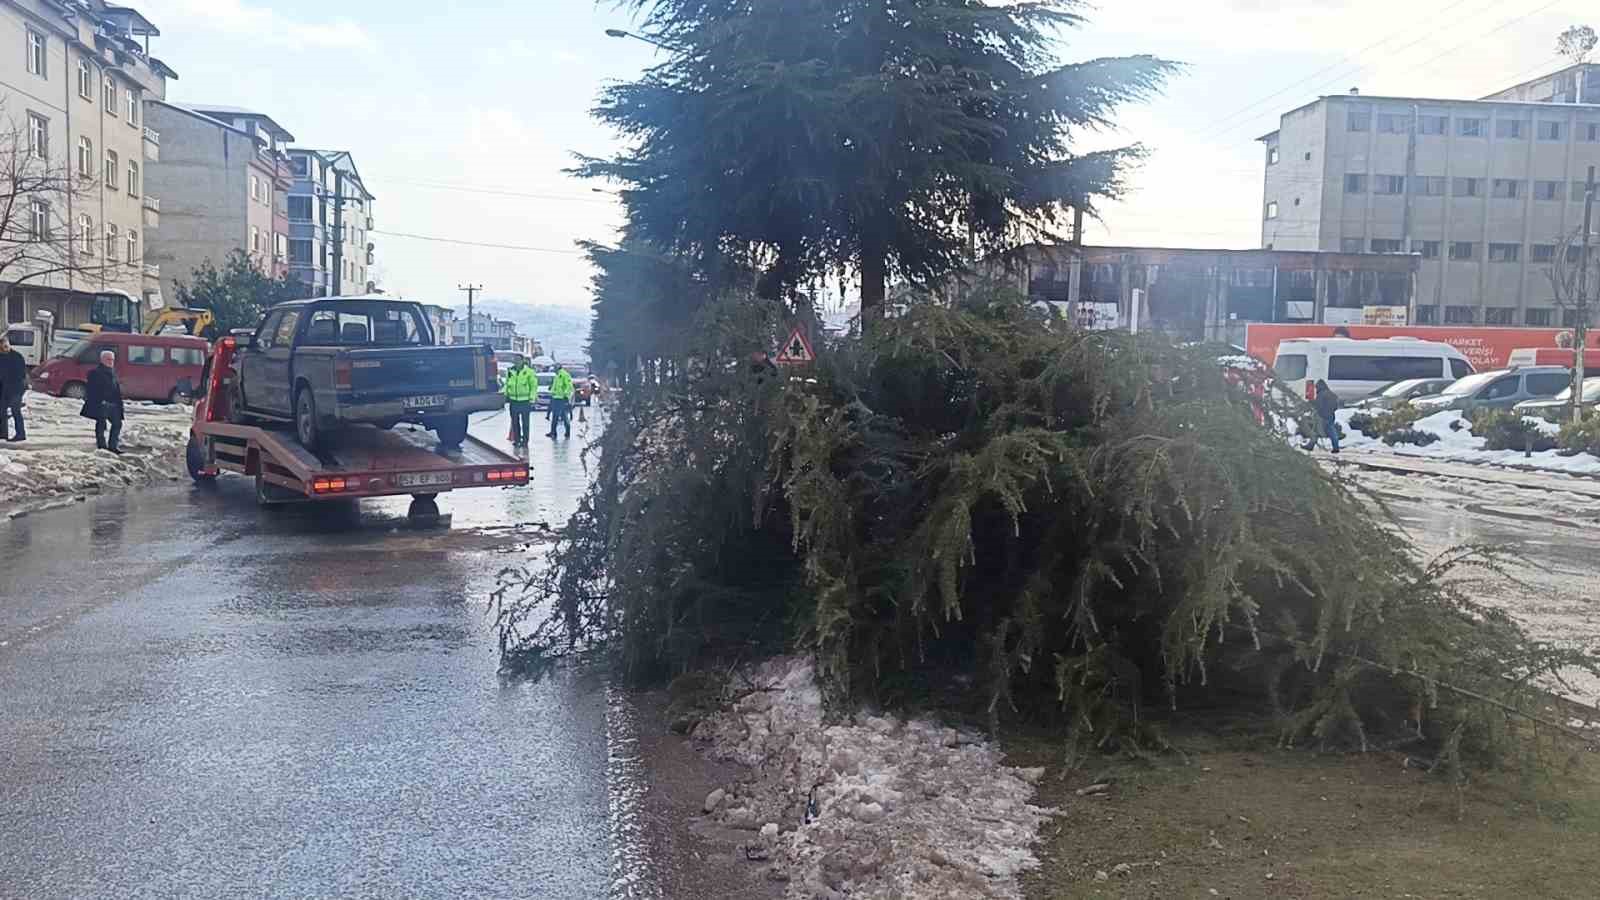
[903,810]
[1457,443]
[59,457]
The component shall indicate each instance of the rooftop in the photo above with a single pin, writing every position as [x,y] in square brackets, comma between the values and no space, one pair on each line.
[214,111]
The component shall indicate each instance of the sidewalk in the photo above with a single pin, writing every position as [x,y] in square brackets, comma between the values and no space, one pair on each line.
[1528,479]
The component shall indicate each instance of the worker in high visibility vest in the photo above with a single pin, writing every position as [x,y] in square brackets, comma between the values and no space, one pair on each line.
[521,386]
[561,392]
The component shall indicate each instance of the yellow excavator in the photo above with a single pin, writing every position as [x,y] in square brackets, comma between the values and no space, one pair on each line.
[119,311]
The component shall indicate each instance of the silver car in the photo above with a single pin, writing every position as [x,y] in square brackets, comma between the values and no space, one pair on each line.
[1498,389]
[1562,401]
[1405,391]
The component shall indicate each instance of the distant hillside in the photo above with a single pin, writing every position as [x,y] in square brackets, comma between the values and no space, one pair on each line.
[563,330]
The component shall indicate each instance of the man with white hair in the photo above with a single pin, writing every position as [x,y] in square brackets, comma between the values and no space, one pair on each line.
[102,402]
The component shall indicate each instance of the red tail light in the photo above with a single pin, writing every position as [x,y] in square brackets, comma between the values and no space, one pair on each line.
[506,476]
[341,373]
[329,485]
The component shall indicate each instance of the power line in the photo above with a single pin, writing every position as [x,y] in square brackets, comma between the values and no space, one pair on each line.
[465,243]
[468,189]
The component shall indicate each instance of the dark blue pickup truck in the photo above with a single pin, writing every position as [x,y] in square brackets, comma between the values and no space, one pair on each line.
[333,361]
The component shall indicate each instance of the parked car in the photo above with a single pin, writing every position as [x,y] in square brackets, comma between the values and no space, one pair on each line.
[329,362]
[1355,369]
[1562,402]
[541,398]
[1404,391]
[31,341]
[1498,389]
[150,367]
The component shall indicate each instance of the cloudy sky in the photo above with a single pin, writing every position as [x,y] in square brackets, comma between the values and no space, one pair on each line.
[462,116]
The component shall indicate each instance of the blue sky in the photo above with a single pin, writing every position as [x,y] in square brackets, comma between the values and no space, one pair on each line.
[493,95]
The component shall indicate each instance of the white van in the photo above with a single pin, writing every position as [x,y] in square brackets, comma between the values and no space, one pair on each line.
[1355,369]
[30,341]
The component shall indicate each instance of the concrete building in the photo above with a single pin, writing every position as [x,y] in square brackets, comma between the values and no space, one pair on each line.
[221,177]
[482,329]
[1210,295]
[73,87]
[330,224]
[1481,190]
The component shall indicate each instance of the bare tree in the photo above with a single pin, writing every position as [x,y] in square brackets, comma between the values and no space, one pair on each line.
[40,192]
[1576,43]
[1574,276]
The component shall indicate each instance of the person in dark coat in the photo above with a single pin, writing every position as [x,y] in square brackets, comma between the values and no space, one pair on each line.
[102,402]
[1326,404]
[13,381]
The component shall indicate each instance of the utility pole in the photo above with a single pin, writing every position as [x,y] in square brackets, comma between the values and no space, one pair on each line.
[1581,330]
[472,291]
[338,232]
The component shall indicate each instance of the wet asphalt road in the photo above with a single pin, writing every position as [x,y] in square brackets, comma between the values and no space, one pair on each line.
[199,698]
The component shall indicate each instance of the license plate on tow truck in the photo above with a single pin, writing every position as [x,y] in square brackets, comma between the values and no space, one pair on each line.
[425,401]
[422,479]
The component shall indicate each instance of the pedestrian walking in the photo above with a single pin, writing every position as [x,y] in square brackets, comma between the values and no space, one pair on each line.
[13,382]
[1326,404]
[561,392]
[522,385]
[102,402]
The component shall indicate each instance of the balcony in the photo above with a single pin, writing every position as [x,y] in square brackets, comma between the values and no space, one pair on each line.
[372,258]
[152,270]
[152,212]
[152,145]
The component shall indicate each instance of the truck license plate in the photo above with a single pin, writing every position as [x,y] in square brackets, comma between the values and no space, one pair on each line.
[425,401]
[422,479]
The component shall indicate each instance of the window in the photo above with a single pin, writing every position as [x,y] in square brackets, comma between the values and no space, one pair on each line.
[280,246]
[1547,190]
[187,356]
[1429,185]
[255,239]
[36,54]
[133,178]
[1351,245]
[1433,124]
[299,208]
[1272,210]
[1549,131]
[86,234]
[133,248]
[146,356]
[1462,250]
[255,188]
[1469,187]
[1505,252]
[1542,253]
[111,169]
[285,333]
[1500,315]
[1460,315]
[366,323]
[1580,190]
[1427,315]
[1459,368]
[133,107]
[1506,189]
[1569,318]
[1389,184]
[297,165]
[268,329]
[1391,123]
[1501,387]
[1272,156]
[1589,131]
[1383,368]
[85,157]
[1308,156]
[85,81]
[1470,127]
[1290,366]
[1428,249]
[1538,316]
[38,135]
[1512,129]
[300,253]
[1384,245]
[1574,254]
[39,220]
[1358,120]
[1355,184]
[111,242]
[108,95]
[1546,384]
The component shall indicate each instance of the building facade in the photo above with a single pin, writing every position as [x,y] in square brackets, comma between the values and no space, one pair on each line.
[1482,191]
[73,88]
[221,179]
[330,224]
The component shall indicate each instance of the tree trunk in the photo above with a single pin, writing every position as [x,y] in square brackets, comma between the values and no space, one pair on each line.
[874,282]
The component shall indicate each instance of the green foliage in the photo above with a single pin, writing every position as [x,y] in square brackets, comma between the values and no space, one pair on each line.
[811,137]
[1582,436]
[1409,436]
[238,293]
[1362,422]
[1081,523]
[1376,425]
[1502,429]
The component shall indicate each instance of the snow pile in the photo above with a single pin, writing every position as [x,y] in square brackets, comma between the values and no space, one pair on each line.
[897,809]
[1457,443]
[59,456]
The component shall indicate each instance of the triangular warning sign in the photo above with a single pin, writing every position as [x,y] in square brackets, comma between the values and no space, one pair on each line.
[796,351]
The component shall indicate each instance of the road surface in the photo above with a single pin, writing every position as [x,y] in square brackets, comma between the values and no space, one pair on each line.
[199,698]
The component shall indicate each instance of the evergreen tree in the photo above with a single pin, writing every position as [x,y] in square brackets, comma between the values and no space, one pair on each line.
[238,293]
[884,136]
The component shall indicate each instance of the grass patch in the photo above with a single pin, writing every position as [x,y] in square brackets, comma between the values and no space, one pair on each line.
[1232,811]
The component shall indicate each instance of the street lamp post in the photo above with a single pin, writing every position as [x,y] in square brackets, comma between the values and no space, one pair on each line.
[620,33]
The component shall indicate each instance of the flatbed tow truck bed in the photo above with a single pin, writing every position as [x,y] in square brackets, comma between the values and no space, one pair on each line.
[363,461]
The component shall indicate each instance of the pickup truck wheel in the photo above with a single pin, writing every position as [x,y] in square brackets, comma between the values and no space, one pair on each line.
[306,427]
[194,457]
[452,430]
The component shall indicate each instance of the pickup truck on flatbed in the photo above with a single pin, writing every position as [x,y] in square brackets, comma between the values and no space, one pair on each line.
[328,362]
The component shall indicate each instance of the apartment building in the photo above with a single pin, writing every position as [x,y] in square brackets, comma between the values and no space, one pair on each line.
[330,224]
[1483,191]
[73,88]
[222,179]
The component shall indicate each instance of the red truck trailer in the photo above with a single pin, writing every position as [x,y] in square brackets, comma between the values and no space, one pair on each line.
[365,461]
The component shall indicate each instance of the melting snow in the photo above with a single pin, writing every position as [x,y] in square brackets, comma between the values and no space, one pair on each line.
[59,457]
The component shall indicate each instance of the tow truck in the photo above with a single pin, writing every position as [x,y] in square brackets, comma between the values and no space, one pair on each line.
[365,461]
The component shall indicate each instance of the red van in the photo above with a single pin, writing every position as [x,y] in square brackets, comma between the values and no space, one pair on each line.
[150,367]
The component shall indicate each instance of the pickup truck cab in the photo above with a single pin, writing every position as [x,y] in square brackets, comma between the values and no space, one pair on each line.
[332,361]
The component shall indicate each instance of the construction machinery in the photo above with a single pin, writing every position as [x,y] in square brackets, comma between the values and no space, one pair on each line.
[119,311]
